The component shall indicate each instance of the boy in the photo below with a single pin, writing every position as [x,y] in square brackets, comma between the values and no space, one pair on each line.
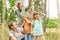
[27,28]
[15,31]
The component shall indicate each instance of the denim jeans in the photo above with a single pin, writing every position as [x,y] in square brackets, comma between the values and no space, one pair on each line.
[28,37]
[23,38]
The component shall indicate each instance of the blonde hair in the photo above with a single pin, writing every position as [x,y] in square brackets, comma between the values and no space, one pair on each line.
[35,13]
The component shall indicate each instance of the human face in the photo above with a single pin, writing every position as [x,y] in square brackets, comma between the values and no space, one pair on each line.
[36,16]
[19,5]
[13,26]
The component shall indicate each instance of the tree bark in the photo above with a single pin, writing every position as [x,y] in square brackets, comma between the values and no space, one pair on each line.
[44,19]
[3,18]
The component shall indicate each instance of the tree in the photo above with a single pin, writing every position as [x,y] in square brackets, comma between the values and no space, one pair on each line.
[1,4]
[38,5]
[44,19]
[3,18]
[10,16]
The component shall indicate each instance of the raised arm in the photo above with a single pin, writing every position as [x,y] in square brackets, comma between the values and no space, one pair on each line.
[29,2]
[28,21]
[43,15]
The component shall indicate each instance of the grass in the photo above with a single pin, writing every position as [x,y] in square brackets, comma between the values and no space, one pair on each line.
[51,23]
[51,36]
[48,36]
[4,35]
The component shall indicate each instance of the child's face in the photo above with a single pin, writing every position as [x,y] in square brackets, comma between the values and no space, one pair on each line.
[13,26]
[36,16]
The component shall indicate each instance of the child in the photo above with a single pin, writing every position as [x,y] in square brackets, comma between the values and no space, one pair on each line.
[15,31]
[27,28]
[37,27]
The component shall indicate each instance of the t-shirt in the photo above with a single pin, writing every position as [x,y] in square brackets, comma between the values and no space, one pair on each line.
[20,14]
[17,34]
[37,27]
[27,27]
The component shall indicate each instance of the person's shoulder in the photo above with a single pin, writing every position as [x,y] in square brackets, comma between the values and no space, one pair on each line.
[32,22]
[11,33]
[40,18]
[19,27]
[16,9]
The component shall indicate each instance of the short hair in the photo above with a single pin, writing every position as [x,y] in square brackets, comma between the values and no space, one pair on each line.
[18,3]
[11,24]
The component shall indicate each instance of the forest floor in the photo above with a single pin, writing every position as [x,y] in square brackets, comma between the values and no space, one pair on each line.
[52,34]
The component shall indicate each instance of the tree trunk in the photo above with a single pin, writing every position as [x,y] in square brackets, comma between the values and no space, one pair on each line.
[44,19]
[30,2]
[30,7]
[3,18]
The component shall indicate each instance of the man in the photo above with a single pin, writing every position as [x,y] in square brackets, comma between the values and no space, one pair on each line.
[20,12]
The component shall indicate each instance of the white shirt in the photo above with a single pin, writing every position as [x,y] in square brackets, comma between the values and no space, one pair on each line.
[16,34]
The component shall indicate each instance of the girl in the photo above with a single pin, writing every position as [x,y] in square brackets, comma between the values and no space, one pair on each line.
[27,28]
[37,27]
